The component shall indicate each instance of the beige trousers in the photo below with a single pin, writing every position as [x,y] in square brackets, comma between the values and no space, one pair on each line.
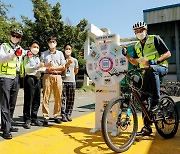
[52,82]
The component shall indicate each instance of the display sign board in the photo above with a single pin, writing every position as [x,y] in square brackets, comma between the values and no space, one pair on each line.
[105,58]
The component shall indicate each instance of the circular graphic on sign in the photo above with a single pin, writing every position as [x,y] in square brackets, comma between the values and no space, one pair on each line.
[105,58]
[105,64]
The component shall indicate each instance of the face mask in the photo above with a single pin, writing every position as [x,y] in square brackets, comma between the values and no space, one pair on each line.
[68,52]
[141,36]
[35,51]
[14,40]
[52,45]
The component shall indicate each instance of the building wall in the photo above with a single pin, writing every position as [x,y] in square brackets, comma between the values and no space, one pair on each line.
[165,22]
[162,14]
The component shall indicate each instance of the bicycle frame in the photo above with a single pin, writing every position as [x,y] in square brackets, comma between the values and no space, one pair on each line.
[144,109]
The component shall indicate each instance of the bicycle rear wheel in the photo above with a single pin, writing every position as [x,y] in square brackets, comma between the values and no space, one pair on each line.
[118,126]
[168,126]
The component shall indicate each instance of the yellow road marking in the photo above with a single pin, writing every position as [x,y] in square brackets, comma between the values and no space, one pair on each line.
[75,137]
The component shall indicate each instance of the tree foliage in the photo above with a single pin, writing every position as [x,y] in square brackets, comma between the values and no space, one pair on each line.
[6,24]
[48,22]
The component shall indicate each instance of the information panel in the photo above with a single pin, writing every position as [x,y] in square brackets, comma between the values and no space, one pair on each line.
[105,58]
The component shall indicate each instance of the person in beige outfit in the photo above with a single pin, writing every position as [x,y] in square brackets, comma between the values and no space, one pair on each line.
[54,62]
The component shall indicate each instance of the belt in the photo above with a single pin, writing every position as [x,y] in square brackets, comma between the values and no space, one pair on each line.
[33,76]
[54,73]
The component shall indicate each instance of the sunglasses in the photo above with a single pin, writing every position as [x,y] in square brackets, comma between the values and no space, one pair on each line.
[15,36]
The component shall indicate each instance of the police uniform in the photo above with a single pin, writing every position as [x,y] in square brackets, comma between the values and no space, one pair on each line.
[9,83]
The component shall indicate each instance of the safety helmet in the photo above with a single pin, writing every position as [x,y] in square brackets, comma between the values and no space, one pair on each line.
[17,31]
[139,24]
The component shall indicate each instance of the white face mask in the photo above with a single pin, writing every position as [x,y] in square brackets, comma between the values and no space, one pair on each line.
[68,52]
[141,36]
[52,45]
[14,40]
[35,51]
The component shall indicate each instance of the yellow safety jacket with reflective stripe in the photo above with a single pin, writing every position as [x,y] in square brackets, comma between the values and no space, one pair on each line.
[149,51]
[8,68]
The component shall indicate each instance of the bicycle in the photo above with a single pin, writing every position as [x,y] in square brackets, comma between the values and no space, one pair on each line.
[121,134]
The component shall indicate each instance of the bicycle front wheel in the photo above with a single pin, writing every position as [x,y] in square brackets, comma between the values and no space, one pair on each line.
[119,125]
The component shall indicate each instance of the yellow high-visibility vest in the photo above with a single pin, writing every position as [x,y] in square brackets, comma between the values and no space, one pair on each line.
[8,68]
[149,51]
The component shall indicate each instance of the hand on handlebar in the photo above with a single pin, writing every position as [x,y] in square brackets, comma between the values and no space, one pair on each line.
[124,51]
[152,62]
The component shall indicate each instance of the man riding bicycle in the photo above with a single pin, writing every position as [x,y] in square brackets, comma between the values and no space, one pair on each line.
[151,52]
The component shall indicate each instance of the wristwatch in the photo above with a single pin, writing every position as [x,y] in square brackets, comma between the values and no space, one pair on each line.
[158,62]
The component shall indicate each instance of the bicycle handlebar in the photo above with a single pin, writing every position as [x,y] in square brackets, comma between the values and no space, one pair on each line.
[136,69]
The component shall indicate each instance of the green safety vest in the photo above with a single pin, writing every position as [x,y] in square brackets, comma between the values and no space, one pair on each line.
[149,51]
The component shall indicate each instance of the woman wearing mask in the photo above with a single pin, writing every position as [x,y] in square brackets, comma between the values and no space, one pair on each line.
[32,86]
[69,84]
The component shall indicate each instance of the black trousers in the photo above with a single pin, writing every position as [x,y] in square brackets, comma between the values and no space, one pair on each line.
[13,95]
[8,92]
[32,92]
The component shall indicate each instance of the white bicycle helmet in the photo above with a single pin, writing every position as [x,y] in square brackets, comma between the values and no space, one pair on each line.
[17,31]
[139,24]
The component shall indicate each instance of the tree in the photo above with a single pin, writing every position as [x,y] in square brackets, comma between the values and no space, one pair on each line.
[6,24]
[48,22]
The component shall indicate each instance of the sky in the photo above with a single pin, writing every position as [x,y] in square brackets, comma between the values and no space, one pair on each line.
[116,15]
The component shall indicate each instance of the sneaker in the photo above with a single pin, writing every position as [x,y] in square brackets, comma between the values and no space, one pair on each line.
[45,123]
[58,121]
[36,123]
[64,119]
[145,131]
[69,118]
[27,125]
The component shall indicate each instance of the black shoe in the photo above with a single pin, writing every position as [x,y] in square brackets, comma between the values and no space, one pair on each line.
[69,118]
[12,129]
[58,121]
[45,123]
[27,125]
[7,135]
[36,123]
[64,119]
[145,131]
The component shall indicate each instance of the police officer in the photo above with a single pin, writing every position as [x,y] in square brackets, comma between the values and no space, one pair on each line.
[151,52]
[10,54]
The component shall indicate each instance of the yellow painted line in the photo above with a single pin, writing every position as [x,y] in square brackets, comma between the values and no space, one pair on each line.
[75,138]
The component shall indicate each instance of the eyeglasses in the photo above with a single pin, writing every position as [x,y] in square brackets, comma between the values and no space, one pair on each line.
[16,36]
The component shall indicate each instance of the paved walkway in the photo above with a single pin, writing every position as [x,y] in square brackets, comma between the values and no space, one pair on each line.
[75,137]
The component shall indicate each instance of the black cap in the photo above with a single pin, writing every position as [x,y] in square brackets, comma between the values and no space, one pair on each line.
[52,38]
